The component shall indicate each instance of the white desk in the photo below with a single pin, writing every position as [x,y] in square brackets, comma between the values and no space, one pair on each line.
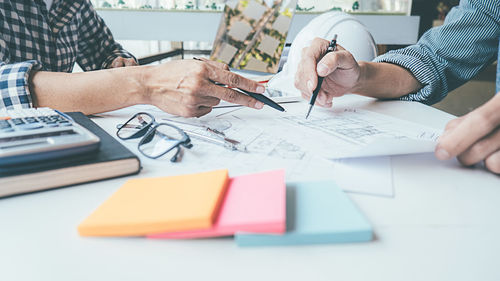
[443,224]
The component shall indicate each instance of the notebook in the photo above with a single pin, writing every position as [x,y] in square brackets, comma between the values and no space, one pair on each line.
[253,203]
[111,160]
[317,213]
[155,205]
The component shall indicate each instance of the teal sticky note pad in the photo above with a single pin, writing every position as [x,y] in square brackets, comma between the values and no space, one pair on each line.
[317,213]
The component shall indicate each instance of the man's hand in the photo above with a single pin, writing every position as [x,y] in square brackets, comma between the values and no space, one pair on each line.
[340,69]
[474,137]
[120,62]
[187,87]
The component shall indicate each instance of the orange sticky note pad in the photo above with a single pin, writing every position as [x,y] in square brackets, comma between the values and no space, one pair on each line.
[253,203]
[155,205]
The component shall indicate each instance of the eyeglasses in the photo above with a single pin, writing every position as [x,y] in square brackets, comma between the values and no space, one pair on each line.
[157,139]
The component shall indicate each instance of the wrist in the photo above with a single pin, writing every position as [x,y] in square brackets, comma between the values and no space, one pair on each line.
[362,78]
[140,81]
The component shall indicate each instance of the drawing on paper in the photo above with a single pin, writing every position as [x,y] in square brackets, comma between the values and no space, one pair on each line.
[276,147]
[358,126]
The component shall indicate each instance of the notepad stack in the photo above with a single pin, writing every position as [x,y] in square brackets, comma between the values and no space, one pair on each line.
[258,209]
[192,206]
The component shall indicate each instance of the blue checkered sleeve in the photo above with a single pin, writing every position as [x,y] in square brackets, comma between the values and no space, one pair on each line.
[97,48]
[14,84]
[450,55]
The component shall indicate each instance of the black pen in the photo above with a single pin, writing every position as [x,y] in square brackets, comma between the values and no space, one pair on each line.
[264,99]
[331,48]
[260,97]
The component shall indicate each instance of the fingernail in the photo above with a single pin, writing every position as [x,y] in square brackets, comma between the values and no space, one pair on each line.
[442,154]
[259,105]
[261,89]
[310,85]
[322,69]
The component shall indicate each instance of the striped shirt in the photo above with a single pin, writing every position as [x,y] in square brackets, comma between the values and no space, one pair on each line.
[36,38]
[448,56]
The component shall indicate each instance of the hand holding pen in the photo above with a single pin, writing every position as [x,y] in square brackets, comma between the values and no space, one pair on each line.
[257,96]
[340,70]
[331,48]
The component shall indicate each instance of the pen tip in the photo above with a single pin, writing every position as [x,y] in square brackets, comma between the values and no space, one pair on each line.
[309,111]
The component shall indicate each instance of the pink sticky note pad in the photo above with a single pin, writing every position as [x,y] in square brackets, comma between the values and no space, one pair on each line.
[253,203]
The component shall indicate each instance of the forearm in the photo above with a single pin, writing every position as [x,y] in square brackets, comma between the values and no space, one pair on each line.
[385,81]
[88,92]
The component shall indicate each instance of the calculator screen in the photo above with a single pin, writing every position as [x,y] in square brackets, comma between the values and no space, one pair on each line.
[36,136]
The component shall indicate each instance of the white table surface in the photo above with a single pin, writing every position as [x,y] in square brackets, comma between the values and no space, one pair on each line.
[442,224]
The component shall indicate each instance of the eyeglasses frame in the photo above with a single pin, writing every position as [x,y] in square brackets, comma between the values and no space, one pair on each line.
[147,132]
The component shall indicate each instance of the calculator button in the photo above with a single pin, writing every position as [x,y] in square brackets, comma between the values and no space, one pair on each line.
[30,120]
[17,121]
[4,124]
[29,126]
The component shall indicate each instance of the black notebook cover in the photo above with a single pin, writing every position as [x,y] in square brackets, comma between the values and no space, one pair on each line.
[110,150]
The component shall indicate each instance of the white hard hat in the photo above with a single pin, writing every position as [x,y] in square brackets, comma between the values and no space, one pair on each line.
[352,35]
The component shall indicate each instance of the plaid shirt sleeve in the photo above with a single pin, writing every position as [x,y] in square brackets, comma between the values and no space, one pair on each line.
[96,46]
[14,84]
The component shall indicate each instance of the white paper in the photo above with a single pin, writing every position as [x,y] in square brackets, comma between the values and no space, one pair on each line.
[345,132]
[372,175]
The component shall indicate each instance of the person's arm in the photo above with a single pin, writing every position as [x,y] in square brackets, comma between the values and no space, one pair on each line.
[97,48]
[443,59]
[450,55]
[343,75]
[88,92]
[184,88]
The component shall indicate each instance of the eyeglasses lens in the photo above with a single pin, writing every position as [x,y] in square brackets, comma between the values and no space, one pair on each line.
[162,139]
[134,125]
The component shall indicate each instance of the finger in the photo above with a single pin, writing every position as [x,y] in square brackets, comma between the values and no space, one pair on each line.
[194,110]
[454,123]
[473,127]
[233,96]
[321,100]
[493,162]
[209,101]
[130,62]
[306,96]
[118,62]
[481,149]
[306,76]
[324,98]
[234,80]
[335,60]
[203,110]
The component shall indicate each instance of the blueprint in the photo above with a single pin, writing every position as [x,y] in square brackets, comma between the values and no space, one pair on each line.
[331,144]
[331,134]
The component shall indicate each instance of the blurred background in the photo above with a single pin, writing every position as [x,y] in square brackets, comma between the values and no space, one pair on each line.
[429,12]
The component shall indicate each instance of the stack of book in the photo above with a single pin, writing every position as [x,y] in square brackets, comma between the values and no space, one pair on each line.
[111,160]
